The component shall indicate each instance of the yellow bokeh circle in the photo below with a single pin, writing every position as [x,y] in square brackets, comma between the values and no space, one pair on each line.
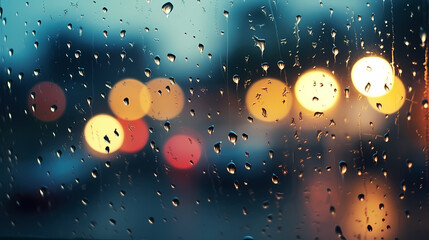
[390,102]
[104,134]
[129,99]
[269,100]
[167,99]
[317,90]
[372,76]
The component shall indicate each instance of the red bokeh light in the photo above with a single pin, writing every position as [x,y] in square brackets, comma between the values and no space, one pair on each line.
[182,151]
[136,135]
[46,101]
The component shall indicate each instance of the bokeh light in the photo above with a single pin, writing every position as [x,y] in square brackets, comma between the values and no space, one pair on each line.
[375,216]
[46,101]
[316,90]
[390,102]
[372,76]
[182,151]
[136,134]
[269,100]
[104,134]
[129,99]
[167,99]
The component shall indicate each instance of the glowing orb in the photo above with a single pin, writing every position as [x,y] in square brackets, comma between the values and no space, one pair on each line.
[46,101]
[129,99]
[104,134]
[167,99]
[372,76]
[269,100]
[136,134]
[316,90]
[390,102]
[182,151]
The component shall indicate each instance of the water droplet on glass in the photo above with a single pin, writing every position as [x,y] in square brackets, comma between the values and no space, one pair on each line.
[361,197]
[126,101]
[343,167]
[232,137]
[281,65]
[423,37]
[226,14]
[54,108]
[367,87]
[216,147]
[94,173]
[43,191]
[175,201]
[201,47]
[157,60]
[275,179]
[347,92]
[271,154]
[171,57]
[231,168]
[167,126]
[122,33]
[167,8]
[260,43]
[210,130]
[265,66]
[386,137]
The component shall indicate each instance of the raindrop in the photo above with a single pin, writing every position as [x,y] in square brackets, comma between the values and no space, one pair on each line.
[157,60]
[347,92]
[232,137]
[343,167]
[260,43]
[54,108]
[368,86]
[122,33]
[361,197]
[425,103]
[386,137]
[167,8]
[423,37]
[265,66]
[112,222]
[167,126]
[247,166]
[298,19]
[175,201]
[171,57]
[275,179]
[281,65]
[226,14]
[147,72]
[126,101]
[217,147]
[43,191]
[77,54]
[201,47]
[236,79]
[271,154]
[94,173]
[231,168]
[338,231]
[210,130]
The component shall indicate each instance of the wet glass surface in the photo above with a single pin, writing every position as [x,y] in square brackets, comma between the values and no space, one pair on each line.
[214,119]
